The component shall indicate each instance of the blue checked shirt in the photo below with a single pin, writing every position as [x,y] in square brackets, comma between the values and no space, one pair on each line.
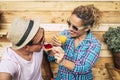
[84,56]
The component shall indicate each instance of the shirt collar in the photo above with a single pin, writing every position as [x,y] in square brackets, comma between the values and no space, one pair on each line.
[89,36]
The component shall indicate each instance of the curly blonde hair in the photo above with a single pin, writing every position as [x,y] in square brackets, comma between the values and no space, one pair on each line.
[89,14]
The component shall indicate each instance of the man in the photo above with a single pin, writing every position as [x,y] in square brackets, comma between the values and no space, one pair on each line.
[22,61]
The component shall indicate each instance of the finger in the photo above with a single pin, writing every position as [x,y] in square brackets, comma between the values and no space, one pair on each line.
[55,38]
[56,61]
[54,51]
[58,55]
[60,49]
[56,42]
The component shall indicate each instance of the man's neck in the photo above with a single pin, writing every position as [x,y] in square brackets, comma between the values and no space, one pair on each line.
[24,54]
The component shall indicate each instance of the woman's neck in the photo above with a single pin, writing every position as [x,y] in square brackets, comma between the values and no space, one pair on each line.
[79,39]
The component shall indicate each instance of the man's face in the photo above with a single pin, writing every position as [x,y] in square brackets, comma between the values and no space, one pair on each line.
[37,42]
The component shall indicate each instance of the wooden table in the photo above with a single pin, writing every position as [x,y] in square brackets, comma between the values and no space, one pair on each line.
[114,73]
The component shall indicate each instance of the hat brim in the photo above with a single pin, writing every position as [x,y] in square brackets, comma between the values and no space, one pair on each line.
[31,35]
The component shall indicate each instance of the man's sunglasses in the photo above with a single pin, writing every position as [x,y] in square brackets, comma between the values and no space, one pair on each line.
[39,43]
[73,26]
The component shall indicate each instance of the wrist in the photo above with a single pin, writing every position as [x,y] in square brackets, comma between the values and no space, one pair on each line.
[62,62]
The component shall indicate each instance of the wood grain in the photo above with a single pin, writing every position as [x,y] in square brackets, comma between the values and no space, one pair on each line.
[56,16]
[55,6]
[61,0]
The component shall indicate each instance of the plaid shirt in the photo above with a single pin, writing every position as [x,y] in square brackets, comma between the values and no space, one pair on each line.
[84,56]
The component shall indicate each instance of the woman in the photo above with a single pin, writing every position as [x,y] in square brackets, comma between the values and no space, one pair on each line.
[81,51]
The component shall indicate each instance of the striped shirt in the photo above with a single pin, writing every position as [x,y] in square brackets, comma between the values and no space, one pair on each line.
[84,57]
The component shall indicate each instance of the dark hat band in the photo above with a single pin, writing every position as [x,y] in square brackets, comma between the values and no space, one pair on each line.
[31,23]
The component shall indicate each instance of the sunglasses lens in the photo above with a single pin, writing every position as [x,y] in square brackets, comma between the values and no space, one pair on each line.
[75,28]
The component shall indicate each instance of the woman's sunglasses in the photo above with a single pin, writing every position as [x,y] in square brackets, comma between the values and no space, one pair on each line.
[73,26]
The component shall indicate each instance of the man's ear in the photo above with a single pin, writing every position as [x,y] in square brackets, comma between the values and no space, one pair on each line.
[26,47]
[88,28]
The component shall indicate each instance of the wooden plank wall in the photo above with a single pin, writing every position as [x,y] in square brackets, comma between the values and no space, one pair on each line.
[54,13]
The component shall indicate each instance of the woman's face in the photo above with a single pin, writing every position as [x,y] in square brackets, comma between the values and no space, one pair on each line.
[76,26]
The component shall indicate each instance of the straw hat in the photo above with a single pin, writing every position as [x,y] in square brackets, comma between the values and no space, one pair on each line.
[22,31]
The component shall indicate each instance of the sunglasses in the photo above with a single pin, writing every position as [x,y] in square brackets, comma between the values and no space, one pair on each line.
[73,26]
[42,40]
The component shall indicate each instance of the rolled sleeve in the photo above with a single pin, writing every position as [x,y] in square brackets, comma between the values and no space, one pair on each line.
[8,66]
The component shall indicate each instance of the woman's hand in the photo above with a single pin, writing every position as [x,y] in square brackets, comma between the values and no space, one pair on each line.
[56,41]
[59,54]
